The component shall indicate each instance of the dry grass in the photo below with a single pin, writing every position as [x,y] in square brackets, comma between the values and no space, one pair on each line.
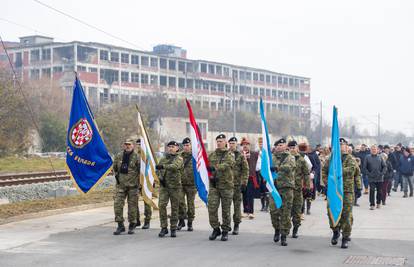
[26,207]
[32,164]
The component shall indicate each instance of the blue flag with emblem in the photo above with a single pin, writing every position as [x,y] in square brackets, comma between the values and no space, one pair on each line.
[87,158]
[266,161]
[335,180]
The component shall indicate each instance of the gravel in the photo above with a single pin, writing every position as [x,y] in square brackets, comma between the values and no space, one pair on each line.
[44,190]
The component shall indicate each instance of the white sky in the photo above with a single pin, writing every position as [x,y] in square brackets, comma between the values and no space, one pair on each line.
[358,53]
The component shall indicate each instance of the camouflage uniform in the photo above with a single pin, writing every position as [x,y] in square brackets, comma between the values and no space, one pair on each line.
[170,188]
[126,187]
[221,189]
[189,190]
[349,168]
[301,179]
[240,176]
[284,162]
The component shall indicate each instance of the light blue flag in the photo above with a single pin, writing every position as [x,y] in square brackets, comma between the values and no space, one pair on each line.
[267,162]
[335,180]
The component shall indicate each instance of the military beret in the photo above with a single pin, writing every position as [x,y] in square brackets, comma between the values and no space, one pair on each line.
[221,136]
[233,139]
[343,141]
[139,141]
[280,141]
[172,143]
[293,143]
[186,141]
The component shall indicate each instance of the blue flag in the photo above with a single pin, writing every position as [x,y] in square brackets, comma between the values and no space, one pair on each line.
[267,162]
[335,180]
[87,158]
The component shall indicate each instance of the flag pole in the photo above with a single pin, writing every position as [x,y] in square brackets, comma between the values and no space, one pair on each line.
[146,134]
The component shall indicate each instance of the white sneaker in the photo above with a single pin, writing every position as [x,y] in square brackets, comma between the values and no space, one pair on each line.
[251,216]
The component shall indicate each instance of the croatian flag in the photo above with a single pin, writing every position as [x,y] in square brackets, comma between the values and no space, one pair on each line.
[267,162]
[200,159]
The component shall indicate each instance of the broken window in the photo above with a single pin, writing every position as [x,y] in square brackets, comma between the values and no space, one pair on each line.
[34,74]
[81,68]
[211,69]
[219,70]
[88,54]
[134,77]
[262,77]
[255,76]
[181,66]
[190,83]
[203,67]
[154,80]
[181,82]
[154,62]
[163,63]
[125,58]
[46,73]
[103,55]
[34,55]
[144,78]
[94,70]
[248,76]
[114,56]
[19,61]
[134,59]
[171,64]
[46,54]
[63,55]
[109,75]
[163,80]
[125,76]
[57,69]
[172,82]
[268,79]
[190,67]
[144,61]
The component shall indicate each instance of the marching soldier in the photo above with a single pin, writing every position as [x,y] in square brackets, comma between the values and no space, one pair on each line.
[126,167]
[221,188]
[302,179]
[240,176]
[189,190]
[284,165]
[349,166]
[169,171]
[147,208]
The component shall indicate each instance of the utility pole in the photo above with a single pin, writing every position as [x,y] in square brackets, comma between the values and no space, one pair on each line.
[320,125]
[379,129]
[234,107]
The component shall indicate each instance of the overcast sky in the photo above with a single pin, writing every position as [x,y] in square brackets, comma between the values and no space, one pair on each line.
[358,53]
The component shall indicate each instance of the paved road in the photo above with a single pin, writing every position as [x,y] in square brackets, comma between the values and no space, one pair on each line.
[85,238]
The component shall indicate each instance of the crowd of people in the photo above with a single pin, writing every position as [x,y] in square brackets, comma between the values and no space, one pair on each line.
[236,181]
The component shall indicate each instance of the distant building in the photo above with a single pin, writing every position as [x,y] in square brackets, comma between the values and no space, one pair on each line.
[112,74]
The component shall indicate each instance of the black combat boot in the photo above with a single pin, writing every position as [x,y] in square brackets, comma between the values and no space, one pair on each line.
[146,225]
[138,223]
[173,233]
[190,226]
[120,229]
[262,201]
[283,240]
[344,243]
[236,229]
[131,228]
[224,236]
[215,234]
[335,237]
[276,237]
[163,232]
[308,206]
[181,224]
[295,231]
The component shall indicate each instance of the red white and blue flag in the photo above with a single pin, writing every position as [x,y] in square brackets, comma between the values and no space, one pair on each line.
[200,159]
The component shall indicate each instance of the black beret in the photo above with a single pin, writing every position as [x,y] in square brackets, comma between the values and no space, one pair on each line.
[293,143]
[221,136]
[280,141]
[186,141]
[343,141]
[233,139]
[139,141]
[172,143]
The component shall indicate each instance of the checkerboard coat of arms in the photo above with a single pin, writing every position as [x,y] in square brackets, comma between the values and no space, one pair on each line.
[81,133]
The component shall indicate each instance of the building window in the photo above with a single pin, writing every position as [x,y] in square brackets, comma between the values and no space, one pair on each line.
[171,64]
[134,59]
[109,75]
[181,83]
[285,95]
[35,74]
[221,87]
[262,77]
[262,92]
[279,80]
[267,92]
[226,71]
[203,68]
[211,69]
[46,54]
[94,70]
[144,61]
[190,67]
[144,78]
[274,93]
[219,70]
[248,76]
[125,58]
[163,80]
[235,74]
[291,95]
[34,55]
[190,83]
[124,76]
[57,69]
[296,82]
[46,73]
[172,82]
[290,81]
[274,80]
[242,75]
[255,91]
[154,62]
[154,80]
[181,66]
[163,63]
[255,76]
[285,80]
[134,77]
[81,68]
[114,56]
[267,79]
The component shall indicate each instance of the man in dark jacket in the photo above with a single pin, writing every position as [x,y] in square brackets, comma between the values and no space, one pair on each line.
[407,171]
[374,167]
[395,161]
[361,155]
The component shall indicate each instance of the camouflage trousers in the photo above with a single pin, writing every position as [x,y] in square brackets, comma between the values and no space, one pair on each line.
[147,213]
[281,217]
[346,220]
[297,207]
[237,200]
[215,196]
[122,193]
[187,208]
[171,195]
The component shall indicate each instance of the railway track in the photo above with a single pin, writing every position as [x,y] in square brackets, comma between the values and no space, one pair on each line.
[32,178]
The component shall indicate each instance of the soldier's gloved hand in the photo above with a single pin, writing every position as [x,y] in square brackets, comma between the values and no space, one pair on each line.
[243,188]
[211,168]
[159,167]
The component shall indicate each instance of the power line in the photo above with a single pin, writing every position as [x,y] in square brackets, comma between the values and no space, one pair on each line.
[88,24]
[31,113]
